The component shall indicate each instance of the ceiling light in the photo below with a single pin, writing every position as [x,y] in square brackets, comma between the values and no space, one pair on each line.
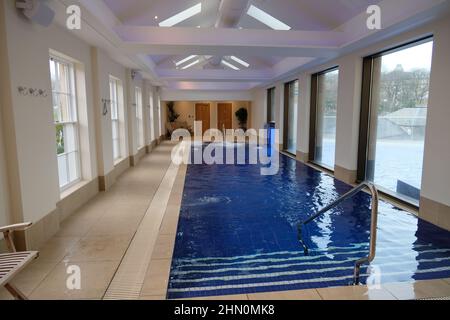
[185,60]
[191,64]
[267,19]
[183,15]
[245,64]
[230,65]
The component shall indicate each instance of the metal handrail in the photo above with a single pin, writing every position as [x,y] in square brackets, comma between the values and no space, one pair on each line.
[373,224]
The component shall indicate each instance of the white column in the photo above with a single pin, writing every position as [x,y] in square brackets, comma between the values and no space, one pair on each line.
[348,117]
[435,191]
[304,106]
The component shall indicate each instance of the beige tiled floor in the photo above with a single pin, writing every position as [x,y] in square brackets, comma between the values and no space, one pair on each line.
[96,276]
[419,289]
[156,279]
[310,294]
[97,237]
[354,293]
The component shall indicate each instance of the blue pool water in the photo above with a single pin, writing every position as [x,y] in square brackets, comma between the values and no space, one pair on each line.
[237,234]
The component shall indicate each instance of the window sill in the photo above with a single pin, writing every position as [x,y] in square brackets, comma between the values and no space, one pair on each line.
[69,191]
[118,161]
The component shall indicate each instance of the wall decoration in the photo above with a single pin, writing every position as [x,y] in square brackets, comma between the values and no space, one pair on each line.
[32,92]
[105,102]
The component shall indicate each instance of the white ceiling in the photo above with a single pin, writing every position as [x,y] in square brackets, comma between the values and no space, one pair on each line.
[321,29]
[299,14]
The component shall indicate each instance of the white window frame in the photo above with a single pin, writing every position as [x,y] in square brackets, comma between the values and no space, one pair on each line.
[159,117]
[72,120]
[114,85]
[139,118]
[152,117]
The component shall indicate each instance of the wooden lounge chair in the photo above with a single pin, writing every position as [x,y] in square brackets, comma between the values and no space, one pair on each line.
[13,262]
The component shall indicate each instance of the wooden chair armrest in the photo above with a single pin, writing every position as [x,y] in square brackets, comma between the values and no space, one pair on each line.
[16,227]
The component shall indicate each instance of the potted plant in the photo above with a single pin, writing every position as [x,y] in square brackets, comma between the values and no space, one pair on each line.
[242,116]
[171,114]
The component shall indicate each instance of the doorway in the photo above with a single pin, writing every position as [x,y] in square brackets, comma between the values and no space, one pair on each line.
[202,113]
[224,118]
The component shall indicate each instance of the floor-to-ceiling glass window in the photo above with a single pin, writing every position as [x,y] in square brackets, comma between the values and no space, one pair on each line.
[325,93]
[396,100]
[271,105]
[290,116]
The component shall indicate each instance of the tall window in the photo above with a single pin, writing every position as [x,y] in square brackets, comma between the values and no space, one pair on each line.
[324,92]
[159,116]
[114,86]
[152,117]
[66,121]
[139,118]
[270,105]
[393,119]
[290,116]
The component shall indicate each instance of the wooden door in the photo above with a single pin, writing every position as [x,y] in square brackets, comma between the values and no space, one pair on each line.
[224,118]
[202,113]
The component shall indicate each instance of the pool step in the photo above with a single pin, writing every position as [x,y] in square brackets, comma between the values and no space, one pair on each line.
[267,271]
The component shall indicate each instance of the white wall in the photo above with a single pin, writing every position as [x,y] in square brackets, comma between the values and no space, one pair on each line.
[348,111]
[5,217]
[154,124]
[31,150]
[259,108]
[28,51]
[303,113]
[104,68]
[436,171]
[137,82]
[146,96]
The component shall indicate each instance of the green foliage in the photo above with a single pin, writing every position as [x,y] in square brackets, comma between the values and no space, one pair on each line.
[403,89]
[171,114]
[328,92]
[398,89]
[242,116]
[60,139]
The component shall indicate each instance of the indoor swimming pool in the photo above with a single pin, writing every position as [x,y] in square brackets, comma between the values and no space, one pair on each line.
[237,233]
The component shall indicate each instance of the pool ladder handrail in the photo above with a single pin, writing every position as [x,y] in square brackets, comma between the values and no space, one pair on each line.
[373,224]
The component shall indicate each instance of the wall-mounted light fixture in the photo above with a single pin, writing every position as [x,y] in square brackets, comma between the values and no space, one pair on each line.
[37,11]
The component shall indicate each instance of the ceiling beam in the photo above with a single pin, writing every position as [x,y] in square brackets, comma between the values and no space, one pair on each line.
[209,41]
[219,75]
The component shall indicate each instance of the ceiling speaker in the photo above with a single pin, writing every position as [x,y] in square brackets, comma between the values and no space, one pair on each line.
[37,11]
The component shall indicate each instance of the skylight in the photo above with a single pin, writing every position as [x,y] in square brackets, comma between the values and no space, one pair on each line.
[267,19]
[191,64]
[240,61]
[181,16]
[185,60]
[229,65]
